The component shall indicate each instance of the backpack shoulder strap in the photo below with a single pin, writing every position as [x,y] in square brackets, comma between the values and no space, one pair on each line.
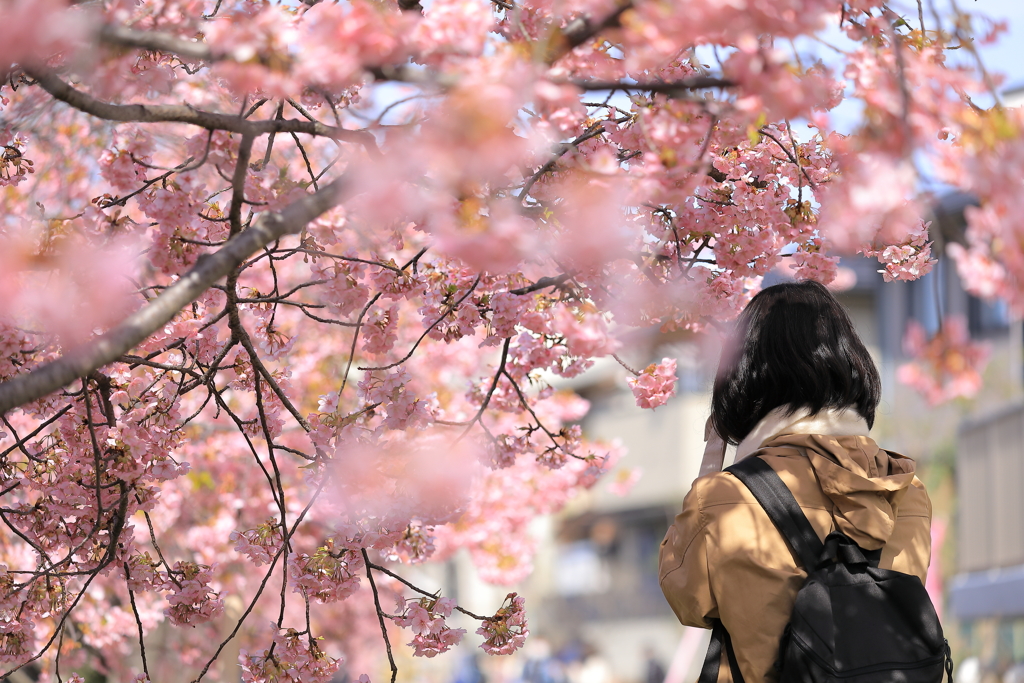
[782,508]
[713,660]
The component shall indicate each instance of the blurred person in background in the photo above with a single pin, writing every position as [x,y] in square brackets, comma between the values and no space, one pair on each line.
[592,669]
[1015,674]
[469,671]
[654,670]
[540,665]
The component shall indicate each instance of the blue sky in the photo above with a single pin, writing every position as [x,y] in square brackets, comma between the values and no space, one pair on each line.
[1006,56]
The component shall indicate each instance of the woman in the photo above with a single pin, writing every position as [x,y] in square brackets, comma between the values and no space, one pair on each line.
[797,386]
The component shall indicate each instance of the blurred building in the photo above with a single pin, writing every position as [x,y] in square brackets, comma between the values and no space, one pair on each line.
[986,595]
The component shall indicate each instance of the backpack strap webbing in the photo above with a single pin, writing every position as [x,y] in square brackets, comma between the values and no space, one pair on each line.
[713,660]
[777,500]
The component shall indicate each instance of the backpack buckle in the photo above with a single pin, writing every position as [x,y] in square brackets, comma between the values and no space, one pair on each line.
[840,549]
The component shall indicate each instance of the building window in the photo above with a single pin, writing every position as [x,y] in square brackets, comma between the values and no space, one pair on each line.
[581,570]
[987,317]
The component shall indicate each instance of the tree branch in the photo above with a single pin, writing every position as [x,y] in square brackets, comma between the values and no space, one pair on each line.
[107,348]
[792,156]
[238,183]
[490,392]
[544,282]
[667,87]
[580,30]
[380,614]
[123,36]
[591,132]
[183,113]
[385,570]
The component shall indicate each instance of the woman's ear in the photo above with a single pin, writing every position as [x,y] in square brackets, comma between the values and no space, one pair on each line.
[714,450]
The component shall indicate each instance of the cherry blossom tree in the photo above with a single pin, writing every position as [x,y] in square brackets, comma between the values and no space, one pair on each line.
[284,286]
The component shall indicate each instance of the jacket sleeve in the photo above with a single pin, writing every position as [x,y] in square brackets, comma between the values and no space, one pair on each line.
[683,563]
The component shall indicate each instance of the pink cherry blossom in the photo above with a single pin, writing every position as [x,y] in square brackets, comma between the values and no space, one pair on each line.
[507,630]
[426,618]
[946,366]
[295,658]
[328,575]
[623,481]
[987,277]
[655,385]
[453,27]
[259,544]
[191,600]
[36,30]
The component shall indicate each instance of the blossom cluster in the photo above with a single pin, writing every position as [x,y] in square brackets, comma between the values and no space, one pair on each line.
[655,384]
[908,260]
[947,365]
[192,601]
[328,575]
[261,544]
[506,631]
[294,658]
[426,618]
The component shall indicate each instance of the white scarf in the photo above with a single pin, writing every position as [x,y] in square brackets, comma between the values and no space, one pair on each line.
[829,421]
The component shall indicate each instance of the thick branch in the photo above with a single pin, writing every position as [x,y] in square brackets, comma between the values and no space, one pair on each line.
[209,268]
[238,183]
[542,283]
[580,30]
[668,87]
[155,40]
[183,113]
[720,177]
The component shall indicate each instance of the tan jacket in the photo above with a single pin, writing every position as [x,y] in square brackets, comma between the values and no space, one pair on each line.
[724,559]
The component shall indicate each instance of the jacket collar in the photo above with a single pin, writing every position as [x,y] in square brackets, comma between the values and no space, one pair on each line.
[779,421]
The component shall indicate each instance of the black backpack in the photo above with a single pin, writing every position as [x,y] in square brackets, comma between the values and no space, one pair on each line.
[852,622]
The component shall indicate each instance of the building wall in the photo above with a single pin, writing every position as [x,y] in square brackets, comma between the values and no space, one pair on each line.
[667,443]
[990,481]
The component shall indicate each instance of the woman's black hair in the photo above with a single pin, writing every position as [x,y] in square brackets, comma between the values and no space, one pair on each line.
[795,346]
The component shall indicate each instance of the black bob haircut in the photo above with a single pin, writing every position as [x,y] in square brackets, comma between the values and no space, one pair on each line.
[795,346]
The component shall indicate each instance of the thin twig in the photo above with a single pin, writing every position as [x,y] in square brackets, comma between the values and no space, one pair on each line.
[380,615]
[792,156]
[385,570]
[623,364]
[666,87]
[454,307]
[138,621]
[490,392]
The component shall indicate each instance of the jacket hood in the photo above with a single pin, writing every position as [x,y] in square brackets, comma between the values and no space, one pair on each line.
[864,482]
